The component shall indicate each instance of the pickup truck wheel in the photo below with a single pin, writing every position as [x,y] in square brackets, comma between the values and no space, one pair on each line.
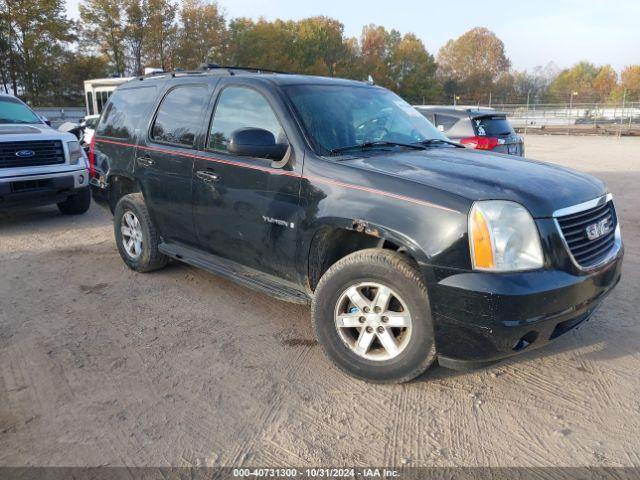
[136,237]
[371,315]
[76,204]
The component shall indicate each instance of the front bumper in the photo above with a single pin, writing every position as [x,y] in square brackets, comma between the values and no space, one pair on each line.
[21,191]
[480,317]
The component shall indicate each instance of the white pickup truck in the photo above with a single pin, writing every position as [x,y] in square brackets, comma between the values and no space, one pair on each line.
[39,165]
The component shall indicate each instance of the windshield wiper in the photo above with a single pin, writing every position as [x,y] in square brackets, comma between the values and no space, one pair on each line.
[431,141]
[381,143]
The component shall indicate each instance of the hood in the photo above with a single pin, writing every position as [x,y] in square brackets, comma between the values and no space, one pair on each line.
[16,133]
[541,187]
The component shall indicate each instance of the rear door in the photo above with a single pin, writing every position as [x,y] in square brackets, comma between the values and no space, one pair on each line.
[247,209]
[164,161]
[497,126]
[117,131]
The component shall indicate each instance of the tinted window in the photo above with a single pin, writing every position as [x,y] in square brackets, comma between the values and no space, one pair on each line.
[447,121]
[124,111]
[241,107]
[179,117]
[492,126]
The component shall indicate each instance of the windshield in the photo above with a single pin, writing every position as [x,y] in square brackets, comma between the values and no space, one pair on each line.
[337,116]
[14,111]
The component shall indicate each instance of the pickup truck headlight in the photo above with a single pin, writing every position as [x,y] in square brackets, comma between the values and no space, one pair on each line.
[503,237]
[75,152]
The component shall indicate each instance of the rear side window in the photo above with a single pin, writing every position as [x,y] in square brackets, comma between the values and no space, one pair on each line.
[124,111]
[446,121]
[242,107]
[179,117]
[492,126]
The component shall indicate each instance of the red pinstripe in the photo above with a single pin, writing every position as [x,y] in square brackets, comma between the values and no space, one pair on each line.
[284,172]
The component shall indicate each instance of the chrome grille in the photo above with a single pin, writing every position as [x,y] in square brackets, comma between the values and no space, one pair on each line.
[45,152]
[585,251]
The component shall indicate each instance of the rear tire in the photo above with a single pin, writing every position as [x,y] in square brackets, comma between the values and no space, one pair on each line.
[76,204]
[136,236]
[386,334]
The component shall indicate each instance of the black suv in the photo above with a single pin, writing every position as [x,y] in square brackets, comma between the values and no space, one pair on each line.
[479,128]
[339,193]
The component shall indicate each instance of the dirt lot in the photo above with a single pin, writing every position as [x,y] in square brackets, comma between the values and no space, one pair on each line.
[103,366]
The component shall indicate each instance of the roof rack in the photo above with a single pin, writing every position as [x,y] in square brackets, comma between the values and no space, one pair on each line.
[204,68]
[231,68]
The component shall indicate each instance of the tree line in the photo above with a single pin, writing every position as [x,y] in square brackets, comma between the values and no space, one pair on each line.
[45,56]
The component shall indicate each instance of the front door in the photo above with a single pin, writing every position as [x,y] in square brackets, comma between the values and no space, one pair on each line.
[164,162]
[247,209]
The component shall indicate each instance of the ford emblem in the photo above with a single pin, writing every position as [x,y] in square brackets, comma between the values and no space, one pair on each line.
[25,153]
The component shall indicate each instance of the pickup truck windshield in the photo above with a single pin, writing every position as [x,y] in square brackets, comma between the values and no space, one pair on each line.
[337,117]
[14,111]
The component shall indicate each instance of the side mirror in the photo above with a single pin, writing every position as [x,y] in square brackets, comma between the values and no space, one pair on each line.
[45,120]
[256,142]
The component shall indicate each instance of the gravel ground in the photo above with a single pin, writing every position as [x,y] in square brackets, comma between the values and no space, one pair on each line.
[103,366]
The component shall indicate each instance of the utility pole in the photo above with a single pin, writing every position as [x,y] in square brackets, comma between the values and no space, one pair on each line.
[526,121]
[624,97]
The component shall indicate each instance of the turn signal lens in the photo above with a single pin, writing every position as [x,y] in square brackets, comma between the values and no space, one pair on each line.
[481,241]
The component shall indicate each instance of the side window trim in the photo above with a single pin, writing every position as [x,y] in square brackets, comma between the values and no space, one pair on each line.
[218,95]
[150,138]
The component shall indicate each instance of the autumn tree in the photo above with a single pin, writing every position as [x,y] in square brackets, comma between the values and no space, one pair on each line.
[135,31]
[576,81]
[630,81]
[414,70]
[161,35]
[104,25]
[473,61]
[35,32]
[202,36]
[320,46]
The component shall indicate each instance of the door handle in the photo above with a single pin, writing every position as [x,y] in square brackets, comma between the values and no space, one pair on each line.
[207,176]
[146,161]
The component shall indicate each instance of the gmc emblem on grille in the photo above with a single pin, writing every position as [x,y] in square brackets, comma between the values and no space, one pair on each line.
[25,153]
[597,230]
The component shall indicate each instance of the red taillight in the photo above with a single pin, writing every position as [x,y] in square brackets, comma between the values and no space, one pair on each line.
[92,157]
[480,143]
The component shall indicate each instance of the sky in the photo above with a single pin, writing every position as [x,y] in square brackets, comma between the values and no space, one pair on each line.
[534,32]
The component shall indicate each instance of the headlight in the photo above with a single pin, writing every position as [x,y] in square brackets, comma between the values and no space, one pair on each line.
[75,152]
[503,237]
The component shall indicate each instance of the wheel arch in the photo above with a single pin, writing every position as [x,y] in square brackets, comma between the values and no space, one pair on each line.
[121,183]
[338,237]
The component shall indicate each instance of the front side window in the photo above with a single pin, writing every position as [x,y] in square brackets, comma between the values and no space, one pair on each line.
[13,110]
[242,107]
[124,111]
[179,116]
[339,116]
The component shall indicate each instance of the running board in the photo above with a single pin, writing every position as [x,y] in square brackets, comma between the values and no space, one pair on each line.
[246,276]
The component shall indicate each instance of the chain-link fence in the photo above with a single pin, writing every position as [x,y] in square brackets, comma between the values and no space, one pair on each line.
[606,118]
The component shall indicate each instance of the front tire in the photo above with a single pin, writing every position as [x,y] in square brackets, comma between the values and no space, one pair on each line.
[371,316]
[76,204]
[136,236]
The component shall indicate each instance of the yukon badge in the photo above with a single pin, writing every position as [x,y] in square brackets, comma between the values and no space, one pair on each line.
[277,221]
[597,230]
[25,153]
